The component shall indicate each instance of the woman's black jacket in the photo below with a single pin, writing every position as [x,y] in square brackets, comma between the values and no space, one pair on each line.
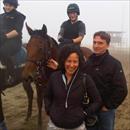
[64,104]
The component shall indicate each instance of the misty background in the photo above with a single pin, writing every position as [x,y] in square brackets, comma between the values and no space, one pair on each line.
[111,16]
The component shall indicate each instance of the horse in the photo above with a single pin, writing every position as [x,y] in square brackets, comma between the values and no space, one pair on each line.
[40,48]
[19,61]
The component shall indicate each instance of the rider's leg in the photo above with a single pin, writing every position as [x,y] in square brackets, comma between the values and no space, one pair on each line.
[8,49]
[6,59]
[10,69]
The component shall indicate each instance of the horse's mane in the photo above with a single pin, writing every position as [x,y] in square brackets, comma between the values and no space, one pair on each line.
[54,41]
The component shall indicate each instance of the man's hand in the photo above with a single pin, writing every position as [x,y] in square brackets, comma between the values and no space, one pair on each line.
[52,64]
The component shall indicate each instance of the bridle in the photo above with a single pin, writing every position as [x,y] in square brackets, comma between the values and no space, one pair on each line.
[41,65]
[46,46]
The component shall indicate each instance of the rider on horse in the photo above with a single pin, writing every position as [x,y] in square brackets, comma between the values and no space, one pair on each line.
[11,24]
[72,30]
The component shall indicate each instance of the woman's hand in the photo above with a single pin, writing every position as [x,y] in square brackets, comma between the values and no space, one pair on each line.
[52,64]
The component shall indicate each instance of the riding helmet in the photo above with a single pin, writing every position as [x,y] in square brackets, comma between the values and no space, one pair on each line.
[73,8]
[11,2]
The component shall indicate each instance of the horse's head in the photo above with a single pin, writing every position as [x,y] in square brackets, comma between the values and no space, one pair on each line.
[40,48]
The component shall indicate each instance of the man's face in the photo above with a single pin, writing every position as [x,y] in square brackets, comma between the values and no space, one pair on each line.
[99,45]
[73,16]
[8,7]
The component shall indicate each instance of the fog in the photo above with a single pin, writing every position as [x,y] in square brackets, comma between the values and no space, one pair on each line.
[97,15]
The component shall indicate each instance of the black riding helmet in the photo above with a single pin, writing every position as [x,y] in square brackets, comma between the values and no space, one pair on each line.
[73,8]
[11,2]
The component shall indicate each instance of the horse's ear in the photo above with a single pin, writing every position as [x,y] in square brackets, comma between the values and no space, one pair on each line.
[30,31]
[44,29]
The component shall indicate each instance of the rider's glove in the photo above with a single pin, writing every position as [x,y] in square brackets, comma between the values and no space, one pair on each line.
[65,40]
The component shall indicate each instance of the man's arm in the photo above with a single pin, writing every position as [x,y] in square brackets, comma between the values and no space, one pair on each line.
[119,88]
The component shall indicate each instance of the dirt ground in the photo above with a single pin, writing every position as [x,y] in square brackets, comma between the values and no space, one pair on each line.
[15,102]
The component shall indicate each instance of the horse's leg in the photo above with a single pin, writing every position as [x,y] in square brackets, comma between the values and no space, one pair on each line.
[39,103]
[29,91]
[2,123]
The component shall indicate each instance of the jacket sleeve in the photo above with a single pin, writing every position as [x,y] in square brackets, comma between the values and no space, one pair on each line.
[82,29]
[48,97]
[119,88]
[61,32]
[19,23]
[94,96]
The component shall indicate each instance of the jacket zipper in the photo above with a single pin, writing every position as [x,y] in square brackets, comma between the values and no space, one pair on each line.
[66,100]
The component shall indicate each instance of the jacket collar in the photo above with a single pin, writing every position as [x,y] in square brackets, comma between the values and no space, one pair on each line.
[97,60]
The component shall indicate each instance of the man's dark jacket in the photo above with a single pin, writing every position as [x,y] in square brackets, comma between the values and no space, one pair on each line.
[109,78]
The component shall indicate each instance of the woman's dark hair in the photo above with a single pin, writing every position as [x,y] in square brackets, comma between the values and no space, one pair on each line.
[104,35]
[66,51]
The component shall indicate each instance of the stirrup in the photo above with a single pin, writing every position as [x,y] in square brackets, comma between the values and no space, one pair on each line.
[10,80]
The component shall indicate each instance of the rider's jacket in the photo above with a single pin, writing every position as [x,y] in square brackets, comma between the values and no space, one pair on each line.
[12,21]
[72,31]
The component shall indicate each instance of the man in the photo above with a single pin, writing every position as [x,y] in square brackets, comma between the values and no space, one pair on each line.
[72,30]
[11,24]
[109,78]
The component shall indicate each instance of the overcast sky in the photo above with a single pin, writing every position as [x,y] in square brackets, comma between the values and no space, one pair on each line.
[97,15]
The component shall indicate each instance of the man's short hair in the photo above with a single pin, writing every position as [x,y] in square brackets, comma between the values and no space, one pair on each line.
[103,35]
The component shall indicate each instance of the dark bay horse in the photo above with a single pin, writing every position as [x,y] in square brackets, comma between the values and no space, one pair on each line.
[40,48]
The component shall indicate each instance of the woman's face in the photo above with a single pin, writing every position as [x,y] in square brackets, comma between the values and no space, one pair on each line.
[71,63]
[8,7]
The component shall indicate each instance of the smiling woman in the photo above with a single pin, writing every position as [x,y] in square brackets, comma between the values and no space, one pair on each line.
[64,93]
